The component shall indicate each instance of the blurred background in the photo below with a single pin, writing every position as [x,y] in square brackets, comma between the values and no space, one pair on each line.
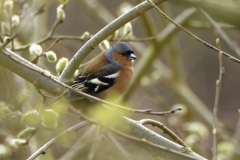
[183,73]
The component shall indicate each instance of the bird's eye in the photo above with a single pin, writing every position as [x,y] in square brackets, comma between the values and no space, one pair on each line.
[124,54]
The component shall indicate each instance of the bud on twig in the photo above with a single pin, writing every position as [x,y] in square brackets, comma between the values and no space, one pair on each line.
[104,45]
[61,64]
[60,13]
[86,35]
[35,49]
[127,31]
[26,133]
[15,20]
[217,41]
[51,56]
[76,73]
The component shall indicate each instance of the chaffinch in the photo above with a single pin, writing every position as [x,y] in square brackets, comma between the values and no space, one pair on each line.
[109,73]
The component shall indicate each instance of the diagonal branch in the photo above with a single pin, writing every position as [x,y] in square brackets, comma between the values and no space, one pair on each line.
[234,59]
[48,37]
[225,38]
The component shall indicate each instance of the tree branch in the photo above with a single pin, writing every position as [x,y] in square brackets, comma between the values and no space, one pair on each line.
[165,130]
[10,60]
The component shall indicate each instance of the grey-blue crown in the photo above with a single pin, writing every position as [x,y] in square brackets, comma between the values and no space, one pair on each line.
[118,47]
[122,46]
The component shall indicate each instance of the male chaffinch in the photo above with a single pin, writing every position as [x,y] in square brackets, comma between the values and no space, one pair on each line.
[109,73]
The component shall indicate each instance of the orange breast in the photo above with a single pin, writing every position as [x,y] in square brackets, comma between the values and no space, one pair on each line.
[120,86]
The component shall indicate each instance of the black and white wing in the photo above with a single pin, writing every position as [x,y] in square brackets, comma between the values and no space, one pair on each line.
[95,83]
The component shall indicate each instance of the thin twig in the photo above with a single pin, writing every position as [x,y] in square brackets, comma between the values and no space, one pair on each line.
[234,59]
[231,45]
[44,148]
[48,37]
[215,108]
[56,41]
[144,111]
[68,37]
[165,130]
[149,111]
[80,38]
[50,33]
[92,98]
[35,60]
[29,16]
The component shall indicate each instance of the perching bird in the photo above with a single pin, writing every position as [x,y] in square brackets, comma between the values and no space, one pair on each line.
[109,73]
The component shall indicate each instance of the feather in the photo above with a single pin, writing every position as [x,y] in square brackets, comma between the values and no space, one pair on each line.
[112,76]
[91,83]
[97,81]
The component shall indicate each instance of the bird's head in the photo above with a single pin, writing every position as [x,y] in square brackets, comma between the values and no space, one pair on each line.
[121,53]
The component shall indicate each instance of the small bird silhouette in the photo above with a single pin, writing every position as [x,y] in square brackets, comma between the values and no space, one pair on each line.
[109,73]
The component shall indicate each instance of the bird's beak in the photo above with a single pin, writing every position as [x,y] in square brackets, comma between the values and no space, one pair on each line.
[131,57]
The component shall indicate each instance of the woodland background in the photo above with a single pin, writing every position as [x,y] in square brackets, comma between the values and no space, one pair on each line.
[190,61]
